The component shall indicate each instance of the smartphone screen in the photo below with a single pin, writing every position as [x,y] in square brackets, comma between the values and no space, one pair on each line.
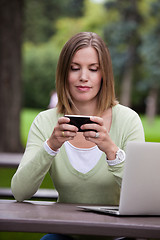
[79,120]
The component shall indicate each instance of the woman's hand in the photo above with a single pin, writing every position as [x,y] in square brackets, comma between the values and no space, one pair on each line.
[61,133]
[100,137]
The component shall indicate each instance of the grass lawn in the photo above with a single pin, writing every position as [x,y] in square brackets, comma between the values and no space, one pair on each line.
[152,130]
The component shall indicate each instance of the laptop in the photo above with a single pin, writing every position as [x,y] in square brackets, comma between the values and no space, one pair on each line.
[140,190]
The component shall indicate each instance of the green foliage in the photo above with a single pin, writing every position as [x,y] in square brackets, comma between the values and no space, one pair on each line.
[68,26]
[65,31]
[40,17]
[150,50]
[121,33]
[133,38]
[121,24]
[39,67]
[40,61]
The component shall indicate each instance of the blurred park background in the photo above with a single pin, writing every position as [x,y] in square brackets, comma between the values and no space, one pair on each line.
[32,33]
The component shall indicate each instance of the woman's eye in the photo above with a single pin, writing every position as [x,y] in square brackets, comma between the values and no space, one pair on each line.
[74,68]
[94,70]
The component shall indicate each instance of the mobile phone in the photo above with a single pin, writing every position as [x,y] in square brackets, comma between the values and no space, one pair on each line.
[79,120]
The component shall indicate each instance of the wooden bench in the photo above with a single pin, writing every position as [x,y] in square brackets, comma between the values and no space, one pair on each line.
[12,160]
[41,194]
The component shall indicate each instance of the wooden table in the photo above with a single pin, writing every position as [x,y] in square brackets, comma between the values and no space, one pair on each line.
[47,217]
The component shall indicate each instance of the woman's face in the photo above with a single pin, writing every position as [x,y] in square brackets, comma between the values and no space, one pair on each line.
[84,76]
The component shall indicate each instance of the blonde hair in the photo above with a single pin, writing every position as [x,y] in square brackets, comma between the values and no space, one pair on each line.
[106,95]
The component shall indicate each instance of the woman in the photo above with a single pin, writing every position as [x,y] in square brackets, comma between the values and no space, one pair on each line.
[80,163]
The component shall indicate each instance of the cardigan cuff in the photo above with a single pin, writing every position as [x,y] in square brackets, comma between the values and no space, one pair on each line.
[49,150]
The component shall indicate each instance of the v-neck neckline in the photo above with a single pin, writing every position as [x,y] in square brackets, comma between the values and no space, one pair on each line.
[77,173]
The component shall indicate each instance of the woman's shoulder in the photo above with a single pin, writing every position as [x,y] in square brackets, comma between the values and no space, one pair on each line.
[49,112]
[124,115]
[49,115]
[123,110]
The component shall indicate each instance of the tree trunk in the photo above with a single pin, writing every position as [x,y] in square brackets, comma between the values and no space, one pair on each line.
[131,14]
[151,104]
[127,78]
[11,13]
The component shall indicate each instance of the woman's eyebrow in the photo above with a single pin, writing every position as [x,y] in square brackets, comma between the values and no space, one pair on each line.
[74,62]
[92,64]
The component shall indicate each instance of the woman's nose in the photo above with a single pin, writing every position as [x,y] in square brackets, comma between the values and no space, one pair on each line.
[84,75]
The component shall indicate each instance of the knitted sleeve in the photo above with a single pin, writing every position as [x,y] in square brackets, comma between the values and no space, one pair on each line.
[36,161]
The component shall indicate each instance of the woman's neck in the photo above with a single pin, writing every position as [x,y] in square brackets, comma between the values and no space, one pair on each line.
[85,109]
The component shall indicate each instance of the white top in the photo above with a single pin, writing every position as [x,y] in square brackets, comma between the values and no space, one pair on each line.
[82,159]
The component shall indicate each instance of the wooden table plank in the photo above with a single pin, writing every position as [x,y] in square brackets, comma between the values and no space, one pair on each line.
[50,217]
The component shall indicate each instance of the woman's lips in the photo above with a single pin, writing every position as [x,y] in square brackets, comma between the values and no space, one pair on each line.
[83,88]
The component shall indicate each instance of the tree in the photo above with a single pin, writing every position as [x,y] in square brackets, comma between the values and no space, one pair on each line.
[11,14]
[87,22]
[41,16]
[150,51]
[39,69]
[123,37]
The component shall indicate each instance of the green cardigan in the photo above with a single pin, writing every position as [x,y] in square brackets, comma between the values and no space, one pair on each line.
[101,185]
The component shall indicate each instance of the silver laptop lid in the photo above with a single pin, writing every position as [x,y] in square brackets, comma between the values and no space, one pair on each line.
[140,193]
